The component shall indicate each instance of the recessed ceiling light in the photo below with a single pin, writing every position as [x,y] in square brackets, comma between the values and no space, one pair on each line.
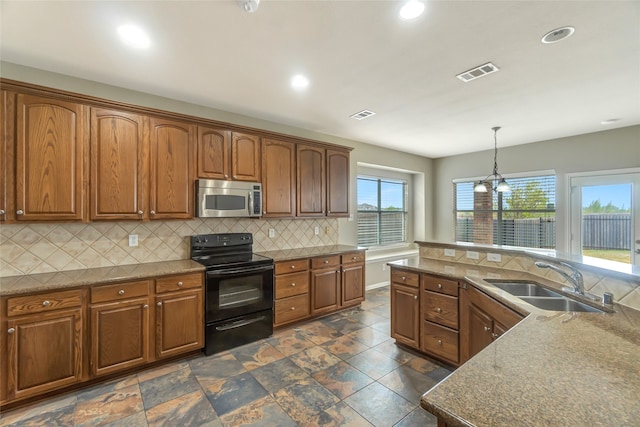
[134,36]
[299,81]
[411,9]
[557,34]
[609,121]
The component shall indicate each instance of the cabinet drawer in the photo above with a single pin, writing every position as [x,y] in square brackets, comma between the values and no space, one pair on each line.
[405,277]
[120,291]
[437,284]
[43,302]
[177,283]
[292,308]
[325,261]
[440,341]
[283,267]
[352,257]
[288,285]
[440,308]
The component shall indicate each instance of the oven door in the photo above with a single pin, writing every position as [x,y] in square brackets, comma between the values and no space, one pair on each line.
[235,292]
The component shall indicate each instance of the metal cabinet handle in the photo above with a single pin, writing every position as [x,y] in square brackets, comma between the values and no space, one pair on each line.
[439,342]
[1,211]
[226,176]
[293,308]
[487,329]
[293,284]
[152,212]
[11,330]
[159,304]
[121,292]
[439,285]
[293,266]
[326,261]
[438,310]
[415,297]
[46,303]
[180,284]
[145,306]
[494,336]
[19,212]
[404,278]
[264,212]
[235,176]
[354,258]
[140,212]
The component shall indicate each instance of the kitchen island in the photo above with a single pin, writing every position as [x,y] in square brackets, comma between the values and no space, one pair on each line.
[552,368]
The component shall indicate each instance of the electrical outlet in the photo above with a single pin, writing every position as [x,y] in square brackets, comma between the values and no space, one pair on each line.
[494,257]
[327,230]
[384,267]
[448,269]
[350,218]
[316,230]
[473,255]
[133,240]
[450,252]
[272,233]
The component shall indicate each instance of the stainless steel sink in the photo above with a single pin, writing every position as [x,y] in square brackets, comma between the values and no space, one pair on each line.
[524,289]
[541,297]
[559,304]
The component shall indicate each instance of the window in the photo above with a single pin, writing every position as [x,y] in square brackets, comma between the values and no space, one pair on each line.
[524,217]
[382,211]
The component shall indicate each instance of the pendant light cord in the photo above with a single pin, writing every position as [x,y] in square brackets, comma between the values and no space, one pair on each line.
[495,152]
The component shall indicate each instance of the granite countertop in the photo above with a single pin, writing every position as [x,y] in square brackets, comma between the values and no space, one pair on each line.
[297,253]
[552,368]
[16,285]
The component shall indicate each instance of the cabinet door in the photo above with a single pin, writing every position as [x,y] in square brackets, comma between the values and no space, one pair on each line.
[245,157]
[278,178]
[311,188]
[213,153]
[119,164]
[7,109]
[325,291]
[172,184]
[352,284]
[50,160]
[119,335]
[480,330]
[405,315]
[44,352]
[179,323]
[337,183]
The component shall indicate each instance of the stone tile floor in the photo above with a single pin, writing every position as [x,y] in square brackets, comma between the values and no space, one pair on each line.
[341,370]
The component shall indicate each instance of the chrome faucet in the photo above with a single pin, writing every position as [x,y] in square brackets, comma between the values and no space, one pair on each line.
[575,278]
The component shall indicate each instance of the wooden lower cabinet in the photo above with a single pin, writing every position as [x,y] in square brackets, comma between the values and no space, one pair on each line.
[405,307]
[46,333]
[482,321]
[44,343]
[352,279]
[440,318]
[291,291]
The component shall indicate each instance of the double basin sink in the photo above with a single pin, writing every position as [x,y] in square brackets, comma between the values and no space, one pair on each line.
[541,297]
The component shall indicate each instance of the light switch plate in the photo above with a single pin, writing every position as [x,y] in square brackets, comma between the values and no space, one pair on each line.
[494,257]
[450,252]
[272,233]
[316,230]
[133,240]
[473,255]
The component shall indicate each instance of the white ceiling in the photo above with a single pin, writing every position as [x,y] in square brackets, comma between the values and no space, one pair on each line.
[358,55]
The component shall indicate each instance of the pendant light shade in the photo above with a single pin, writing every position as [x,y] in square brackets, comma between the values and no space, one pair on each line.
[498,183]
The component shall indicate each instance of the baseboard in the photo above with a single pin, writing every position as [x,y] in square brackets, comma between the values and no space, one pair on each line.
[376,285]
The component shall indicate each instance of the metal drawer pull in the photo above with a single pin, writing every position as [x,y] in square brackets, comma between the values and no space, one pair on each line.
[121,292]
[159,304]
[19,212]
[46,303]
[415,297]
[439,285]
[152,212]
[145,306]
[11,330]
[1,211]
[354,258]
[326,261]
[293,308]
[438,310]
[293,284]
[404,278]
[487,329]
[180,283]
[439,342]
[293,266]
[140,212]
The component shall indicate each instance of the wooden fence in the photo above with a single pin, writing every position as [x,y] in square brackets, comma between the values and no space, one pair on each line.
[599,231]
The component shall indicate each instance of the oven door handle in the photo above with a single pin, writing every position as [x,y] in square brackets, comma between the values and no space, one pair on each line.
[239,324]
[219,273]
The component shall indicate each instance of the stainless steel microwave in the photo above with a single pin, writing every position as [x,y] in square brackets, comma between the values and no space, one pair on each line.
[228,199]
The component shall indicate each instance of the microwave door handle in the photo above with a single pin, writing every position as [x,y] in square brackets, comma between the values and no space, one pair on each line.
[250,204]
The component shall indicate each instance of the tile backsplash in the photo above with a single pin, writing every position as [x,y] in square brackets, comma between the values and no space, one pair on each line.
[43,248]
[626,291]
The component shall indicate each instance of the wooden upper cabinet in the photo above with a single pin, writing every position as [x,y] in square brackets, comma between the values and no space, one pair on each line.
[245,157]
[171,172]
[223,154]
[7,101]
[337,183]
[213,152]
[119,165]
[50,159]
[311,186]
[278,178]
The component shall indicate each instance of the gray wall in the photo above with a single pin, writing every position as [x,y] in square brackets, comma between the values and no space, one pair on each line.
[600,151]
[362,153]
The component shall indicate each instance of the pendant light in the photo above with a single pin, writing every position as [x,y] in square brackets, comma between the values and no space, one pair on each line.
[498,183]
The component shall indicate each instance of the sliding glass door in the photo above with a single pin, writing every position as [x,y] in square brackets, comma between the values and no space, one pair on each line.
[605,216]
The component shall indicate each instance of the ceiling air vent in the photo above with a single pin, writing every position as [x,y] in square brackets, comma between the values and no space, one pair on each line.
[477,72]
[362,114]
